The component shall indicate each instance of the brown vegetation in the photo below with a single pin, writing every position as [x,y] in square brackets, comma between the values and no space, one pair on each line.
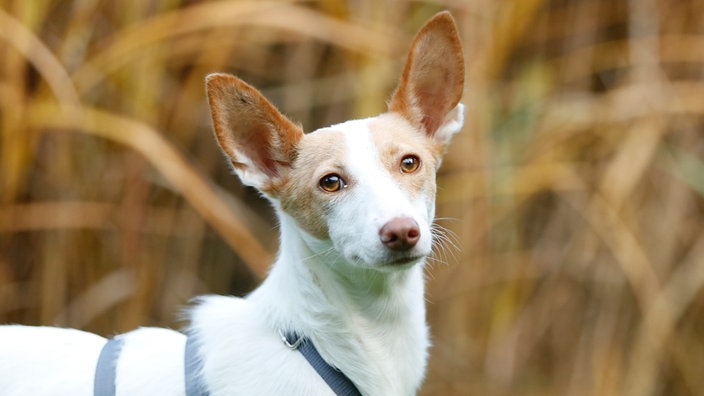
[574,194]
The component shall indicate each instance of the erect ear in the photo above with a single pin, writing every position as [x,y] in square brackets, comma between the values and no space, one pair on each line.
[258,139]
[430,89]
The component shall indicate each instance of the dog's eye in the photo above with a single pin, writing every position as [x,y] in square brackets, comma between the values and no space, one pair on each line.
[410,164]
[332,183]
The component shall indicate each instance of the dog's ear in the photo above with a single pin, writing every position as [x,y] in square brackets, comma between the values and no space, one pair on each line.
[257,138]
[430,89]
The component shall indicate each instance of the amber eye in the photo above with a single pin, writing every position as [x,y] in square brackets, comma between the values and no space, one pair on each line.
[410,164]
[332,183]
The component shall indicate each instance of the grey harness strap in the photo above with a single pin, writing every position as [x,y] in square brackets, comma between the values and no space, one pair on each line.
[336,379]
[104,380]
[194,370]
[105,371]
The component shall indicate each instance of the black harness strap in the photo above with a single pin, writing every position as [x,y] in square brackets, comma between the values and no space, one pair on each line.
[104,380]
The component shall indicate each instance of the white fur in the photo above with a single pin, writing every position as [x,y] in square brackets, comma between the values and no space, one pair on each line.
[451,124]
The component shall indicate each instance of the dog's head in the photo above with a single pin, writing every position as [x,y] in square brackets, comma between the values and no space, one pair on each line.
[365,188]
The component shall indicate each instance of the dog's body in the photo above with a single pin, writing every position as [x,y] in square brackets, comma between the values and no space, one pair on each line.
[356,206]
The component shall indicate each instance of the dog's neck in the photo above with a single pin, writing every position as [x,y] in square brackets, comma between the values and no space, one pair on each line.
[368,323]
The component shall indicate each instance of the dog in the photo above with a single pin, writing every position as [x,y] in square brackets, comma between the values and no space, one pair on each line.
[343,302]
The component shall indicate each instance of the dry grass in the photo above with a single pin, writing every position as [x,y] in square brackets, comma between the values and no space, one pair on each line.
[574,192]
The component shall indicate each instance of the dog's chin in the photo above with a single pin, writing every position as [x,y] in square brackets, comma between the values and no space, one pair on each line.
[386,260]
[403,261]
[399,263]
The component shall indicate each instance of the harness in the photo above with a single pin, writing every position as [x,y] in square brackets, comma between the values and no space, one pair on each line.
[106,368]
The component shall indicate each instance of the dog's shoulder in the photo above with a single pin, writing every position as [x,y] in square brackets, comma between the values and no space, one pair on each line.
[150,358]
[223,323]
[216,309]
[243,353]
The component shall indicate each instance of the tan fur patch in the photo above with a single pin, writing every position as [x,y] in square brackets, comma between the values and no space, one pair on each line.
[319,154]
[396,138]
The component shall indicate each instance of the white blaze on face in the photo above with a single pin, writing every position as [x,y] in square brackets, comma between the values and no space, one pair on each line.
[367,155]
[379,191]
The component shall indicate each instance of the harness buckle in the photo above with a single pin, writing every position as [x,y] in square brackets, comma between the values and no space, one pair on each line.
[287,339]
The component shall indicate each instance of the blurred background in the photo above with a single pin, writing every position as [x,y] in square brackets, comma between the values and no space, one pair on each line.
[574,194]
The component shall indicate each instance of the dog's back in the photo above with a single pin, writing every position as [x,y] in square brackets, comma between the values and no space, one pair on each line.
[49,361]
[54,361]
[45,360]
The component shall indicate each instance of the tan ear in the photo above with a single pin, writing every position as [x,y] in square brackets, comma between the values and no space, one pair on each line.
[431,86]
[258,139]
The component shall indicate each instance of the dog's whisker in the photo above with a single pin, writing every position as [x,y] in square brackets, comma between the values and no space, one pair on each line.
[445,242]
[326,252]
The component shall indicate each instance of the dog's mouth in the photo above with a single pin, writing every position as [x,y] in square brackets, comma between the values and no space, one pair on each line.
[401,261]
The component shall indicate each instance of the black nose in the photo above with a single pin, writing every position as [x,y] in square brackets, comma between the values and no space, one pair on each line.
[400,233]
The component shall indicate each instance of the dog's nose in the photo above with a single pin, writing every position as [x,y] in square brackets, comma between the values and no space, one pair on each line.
[400,233]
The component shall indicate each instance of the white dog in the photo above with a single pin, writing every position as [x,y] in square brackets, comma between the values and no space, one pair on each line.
[342,311]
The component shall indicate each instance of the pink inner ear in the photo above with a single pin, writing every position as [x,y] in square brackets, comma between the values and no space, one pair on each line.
[432,108]
[259,150]
[253,133]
